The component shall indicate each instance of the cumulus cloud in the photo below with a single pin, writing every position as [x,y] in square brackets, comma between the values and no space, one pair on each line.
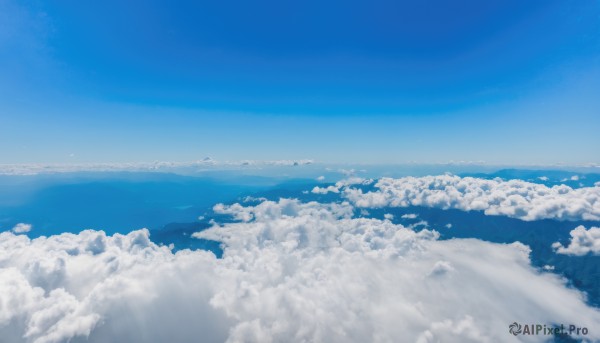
[290,271]
[513,198]
[342,184]
[21,228]
[582,242]
[325,190]
[409,216]
[108,288]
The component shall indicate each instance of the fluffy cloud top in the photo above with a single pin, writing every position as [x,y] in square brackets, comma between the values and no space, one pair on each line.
[21,228]
[108,288]
[582,242]
[342,184]
[291,271]
[513,198]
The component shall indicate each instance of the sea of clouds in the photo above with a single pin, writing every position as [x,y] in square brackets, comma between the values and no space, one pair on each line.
[513,198]
[290,272]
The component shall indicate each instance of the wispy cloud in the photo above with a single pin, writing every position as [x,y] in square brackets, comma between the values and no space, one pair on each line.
[200,165]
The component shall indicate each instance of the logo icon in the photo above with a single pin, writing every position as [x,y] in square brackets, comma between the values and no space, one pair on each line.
[515,328]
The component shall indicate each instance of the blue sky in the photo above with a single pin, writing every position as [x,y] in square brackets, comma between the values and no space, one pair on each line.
[353,81]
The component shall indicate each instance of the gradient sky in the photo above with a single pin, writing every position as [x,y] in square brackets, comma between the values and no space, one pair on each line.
[337,81]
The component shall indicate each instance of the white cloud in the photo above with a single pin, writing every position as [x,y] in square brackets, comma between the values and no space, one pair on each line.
[543,178]
[321,178]
[409,216]
[291,271]
[249,198]
[582,242]
[421,223]
[513,198]
[325,190]
[388,216]
[342,184]
[21,228]
[112,288]
[285,208]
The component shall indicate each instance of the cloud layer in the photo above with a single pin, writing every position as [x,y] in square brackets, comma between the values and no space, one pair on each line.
[513,198]
[582,242]
[164,166]
[290,271]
